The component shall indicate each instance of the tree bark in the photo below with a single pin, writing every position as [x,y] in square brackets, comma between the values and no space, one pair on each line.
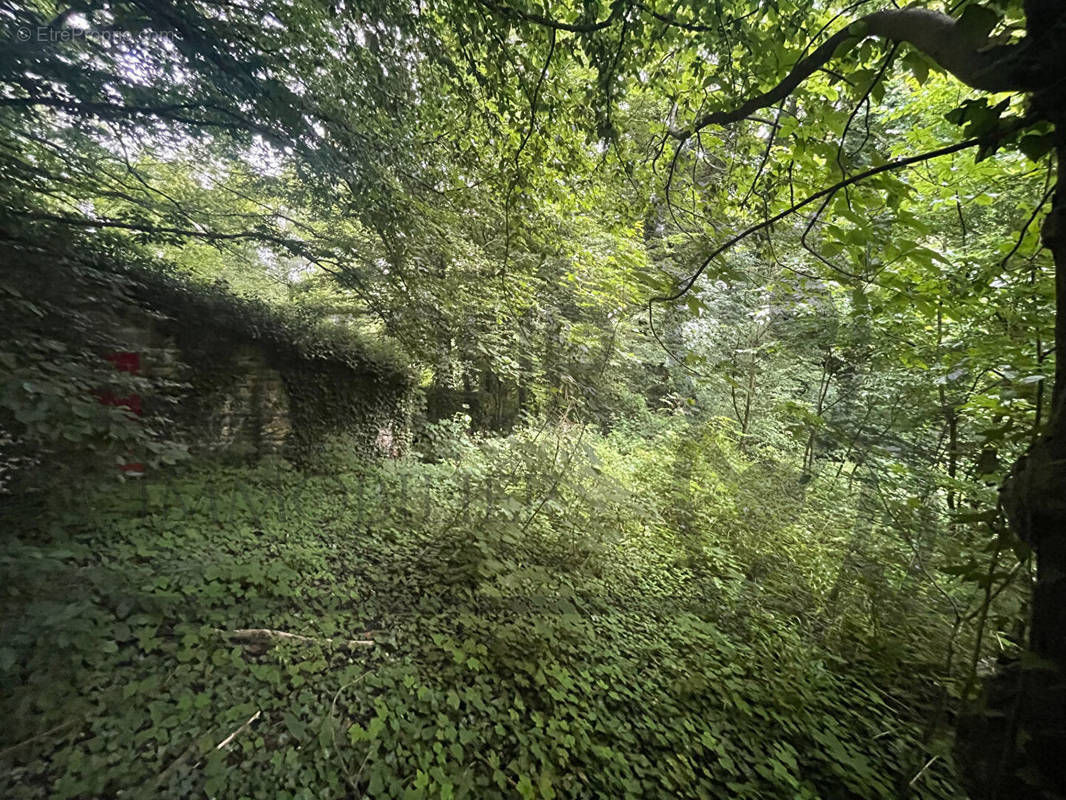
[1014,747]
[974,59]
[1038,494]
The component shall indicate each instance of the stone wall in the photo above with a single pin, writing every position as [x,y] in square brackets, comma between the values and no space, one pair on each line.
[251,415]
[91,328]
[231,396]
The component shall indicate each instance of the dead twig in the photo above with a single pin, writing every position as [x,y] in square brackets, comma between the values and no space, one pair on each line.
[921,772]
[196,749]
[239,730]
[352,781]
[262,639]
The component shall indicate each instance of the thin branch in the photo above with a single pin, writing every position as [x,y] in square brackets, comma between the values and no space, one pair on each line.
[333,730]
[921,772]
[694,27]
[533,100]
[89,222]
[1025,227]
[239,730]
[838,16]
[669,186]
[38,737]
[264,638]
[806,232]
[898,163]
[865,99]
[774,125]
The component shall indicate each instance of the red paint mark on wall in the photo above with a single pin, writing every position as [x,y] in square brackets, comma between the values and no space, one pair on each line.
[125,362]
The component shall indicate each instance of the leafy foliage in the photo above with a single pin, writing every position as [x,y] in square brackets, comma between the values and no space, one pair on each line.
[546,644]
[760,297]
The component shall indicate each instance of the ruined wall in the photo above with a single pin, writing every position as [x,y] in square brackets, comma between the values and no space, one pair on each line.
[242,391]
[110,362]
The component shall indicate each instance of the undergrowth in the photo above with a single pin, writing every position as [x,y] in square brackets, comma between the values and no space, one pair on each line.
[554,614]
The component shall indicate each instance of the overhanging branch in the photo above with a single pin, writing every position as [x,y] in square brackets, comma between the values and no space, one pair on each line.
[969,58]
[895,164]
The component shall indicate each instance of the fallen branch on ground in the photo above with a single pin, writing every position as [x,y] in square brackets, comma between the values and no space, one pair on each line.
[195,748]
[239,730]
[265,638]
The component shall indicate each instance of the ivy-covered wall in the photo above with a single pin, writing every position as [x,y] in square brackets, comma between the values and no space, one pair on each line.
[109,360]
[253,381]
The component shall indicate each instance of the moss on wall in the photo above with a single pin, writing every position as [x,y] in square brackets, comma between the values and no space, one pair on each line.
[222,374]
[262,381]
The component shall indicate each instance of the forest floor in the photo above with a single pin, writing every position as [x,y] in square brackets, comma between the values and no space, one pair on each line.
[440,647]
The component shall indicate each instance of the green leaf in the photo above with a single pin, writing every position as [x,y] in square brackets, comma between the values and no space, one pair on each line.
[525,788]
[977,21]
[1035,146]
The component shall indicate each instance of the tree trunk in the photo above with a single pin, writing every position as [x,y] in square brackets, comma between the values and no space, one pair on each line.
[1035,499]
[1015,748]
